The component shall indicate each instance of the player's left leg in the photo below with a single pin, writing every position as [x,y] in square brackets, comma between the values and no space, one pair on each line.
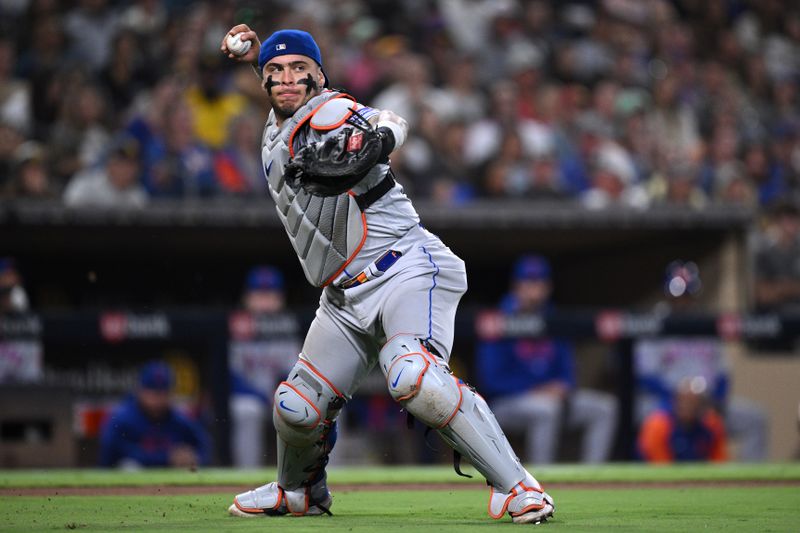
[417,314]
[423,384]
[306,406]
[305,409]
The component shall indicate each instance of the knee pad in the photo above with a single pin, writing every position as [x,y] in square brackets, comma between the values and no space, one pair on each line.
[419,381]
[305,405]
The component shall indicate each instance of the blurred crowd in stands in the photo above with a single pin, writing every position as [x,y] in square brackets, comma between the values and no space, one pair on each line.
[613,102]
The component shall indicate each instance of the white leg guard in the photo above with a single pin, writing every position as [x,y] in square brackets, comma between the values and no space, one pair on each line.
[425,386]
[306,406]
[272,500]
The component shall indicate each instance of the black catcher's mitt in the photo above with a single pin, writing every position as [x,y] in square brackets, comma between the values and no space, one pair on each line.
[334,166]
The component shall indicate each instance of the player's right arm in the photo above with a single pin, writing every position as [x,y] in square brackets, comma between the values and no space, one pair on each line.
[248,35]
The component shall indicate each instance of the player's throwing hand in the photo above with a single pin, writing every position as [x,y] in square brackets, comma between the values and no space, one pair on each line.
[245,35]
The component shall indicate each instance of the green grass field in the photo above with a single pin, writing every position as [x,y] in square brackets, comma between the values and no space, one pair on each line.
[626,498]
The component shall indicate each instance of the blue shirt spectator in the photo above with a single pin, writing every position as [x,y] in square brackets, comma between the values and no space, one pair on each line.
[145,430]
[530,379]
[513,366]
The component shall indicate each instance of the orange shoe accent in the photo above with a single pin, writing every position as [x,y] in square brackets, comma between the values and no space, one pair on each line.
[505,504]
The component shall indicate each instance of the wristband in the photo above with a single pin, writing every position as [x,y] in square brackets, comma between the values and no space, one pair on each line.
[398,131]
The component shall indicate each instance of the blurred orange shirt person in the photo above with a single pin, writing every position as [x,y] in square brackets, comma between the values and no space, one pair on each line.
[690,431]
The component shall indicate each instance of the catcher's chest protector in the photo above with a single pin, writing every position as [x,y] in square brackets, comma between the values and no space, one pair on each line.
[325,232]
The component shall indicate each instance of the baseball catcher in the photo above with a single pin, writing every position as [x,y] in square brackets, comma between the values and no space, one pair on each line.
[390,288]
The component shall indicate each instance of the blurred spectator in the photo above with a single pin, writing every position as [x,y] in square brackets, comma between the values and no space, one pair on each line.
[688,430]
[257,364]
[662,363]
[678,185]
[213,106]
[116,183]
[431,162]
[764,173]
[579,149]
[149,115]
[468,21]
[80,136]
[786,156]
[484,138]
[238,166]
[530,382]
[15,99]
[732,186]
[721,155]
[41,62]
[10,140]
[13,298]
[90,27]
[777,264]
[146,18]
[29,175]
[465,101]
[264,290]
[176,163]
[146,430]
[128,73]
[509,172]
[612,180]
[412,90]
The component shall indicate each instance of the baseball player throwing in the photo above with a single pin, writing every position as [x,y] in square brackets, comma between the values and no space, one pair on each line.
[390,288]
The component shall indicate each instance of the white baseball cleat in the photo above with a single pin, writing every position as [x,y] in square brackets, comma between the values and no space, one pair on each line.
[527,503]
[272,500]
[533,516]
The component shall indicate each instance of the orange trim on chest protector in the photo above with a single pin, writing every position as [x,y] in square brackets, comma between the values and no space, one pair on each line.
[308,117]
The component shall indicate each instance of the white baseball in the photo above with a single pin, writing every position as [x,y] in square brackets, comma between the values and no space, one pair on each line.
[236,45]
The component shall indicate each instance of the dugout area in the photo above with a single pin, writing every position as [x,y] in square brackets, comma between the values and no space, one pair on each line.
[181,269]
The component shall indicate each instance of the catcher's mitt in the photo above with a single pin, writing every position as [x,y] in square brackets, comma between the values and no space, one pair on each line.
[335,165]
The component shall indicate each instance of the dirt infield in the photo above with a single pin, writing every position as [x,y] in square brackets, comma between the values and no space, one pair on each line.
[168,490]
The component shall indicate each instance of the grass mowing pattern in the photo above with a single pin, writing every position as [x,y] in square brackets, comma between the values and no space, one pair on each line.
[654,509]
[416,474]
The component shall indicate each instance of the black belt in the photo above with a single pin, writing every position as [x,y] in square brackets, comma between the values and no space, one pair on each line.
[374,194]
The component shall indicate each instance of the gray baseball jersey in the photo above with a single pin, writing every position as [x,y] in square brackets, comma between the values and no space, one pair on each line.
[336,243]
